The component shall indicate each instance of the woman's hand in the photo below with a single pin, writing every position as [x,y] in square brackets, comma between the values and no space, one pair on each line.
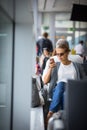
[52,63]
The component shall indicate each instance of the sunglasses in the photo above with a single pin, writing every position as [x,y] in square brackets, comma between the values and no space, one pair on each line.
[60,54]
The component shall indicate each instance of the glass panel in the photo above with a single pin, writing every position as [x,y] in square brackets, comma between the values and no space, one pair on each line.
[64,24]
[80,36]
[81,24]
[5,70]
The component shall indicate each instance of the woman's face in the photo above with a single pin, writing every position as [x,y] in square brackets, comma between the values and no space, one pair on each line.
[62,54]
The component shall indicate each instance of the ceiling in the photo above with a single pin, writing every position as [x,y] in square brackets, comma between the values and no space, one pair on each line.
[19,11]
[58,5]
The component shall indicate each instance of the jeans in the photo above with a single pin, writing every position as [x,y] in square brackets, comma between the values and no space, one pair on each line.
[57,97]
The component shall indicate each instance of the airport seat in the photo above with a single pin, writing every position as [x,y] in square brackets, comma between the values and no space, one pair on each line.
[74,115]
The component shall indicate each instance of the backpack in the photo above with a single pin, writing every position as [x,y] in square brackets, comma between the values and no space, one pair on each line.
[46,43]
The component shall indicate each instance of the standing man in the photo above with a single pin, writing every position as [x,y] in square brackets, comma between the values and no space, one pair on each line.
[44,42]
[79,48]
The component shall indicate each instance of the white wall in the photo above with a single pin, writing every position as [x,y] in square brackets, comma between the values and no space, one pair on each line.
[24,45]
[24,57]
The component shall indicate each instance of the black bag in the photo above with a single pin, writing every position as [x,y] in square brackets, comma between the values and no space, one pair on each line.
[35,94]
[44,63]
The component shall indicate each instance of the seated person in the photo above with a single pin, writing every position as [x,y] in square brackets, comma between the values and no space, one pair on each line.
[37,66]
[44,57]
[58,74]
[73,58]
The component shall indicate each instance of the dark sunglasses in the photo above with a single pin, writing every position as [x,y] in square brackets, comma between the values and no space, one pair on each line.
[60,54]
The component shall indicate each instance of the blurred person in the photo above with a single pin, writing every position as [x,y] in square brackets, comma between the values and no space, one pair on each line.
[44,42]
[79,48]
[44,57]
[58,74]
[37,67]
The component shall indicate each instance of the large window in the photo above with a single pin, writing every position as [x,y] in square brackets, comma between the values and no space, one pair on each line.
[6,45]
[72,31]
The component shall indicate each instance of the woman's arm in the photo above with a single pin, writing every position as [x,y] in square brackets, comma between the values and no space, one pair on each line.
[47,72]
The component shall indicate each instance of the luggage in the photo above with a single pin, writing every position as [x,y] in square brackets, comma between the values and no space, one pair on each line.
[35,94]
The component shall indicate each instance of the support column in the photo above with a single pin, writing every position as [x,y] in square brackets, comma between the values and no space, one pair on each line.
[52,27]
[35,12]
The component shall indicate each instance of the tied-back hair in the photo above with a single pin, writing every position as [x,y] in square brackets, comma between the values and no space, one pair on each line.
[62,43]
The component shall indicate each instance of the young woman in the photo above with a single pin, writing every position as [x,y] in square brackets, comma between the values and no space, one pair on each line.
[59,73]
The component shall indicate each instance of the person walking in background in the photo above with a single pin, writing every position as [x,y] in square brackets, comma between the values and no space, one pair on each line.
[44,42]
[79,48]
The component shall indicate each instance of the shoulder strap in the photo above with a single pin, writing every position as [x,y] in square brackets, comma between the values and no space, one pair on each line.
[54,78]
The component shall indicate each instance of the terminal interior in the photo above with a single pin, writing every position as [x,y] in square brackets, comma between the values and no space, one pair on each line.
[21,23]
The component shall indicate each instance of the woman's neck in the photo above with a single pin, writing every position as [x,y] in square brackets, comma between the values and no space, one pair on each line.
[66,62]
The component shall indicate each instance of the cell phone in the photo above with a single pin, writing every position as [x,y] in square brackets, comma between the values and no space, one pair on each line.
[51,60]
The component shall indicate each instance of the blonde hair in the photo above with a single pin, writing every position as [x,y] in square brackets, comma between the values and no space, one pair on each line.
[62,43]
